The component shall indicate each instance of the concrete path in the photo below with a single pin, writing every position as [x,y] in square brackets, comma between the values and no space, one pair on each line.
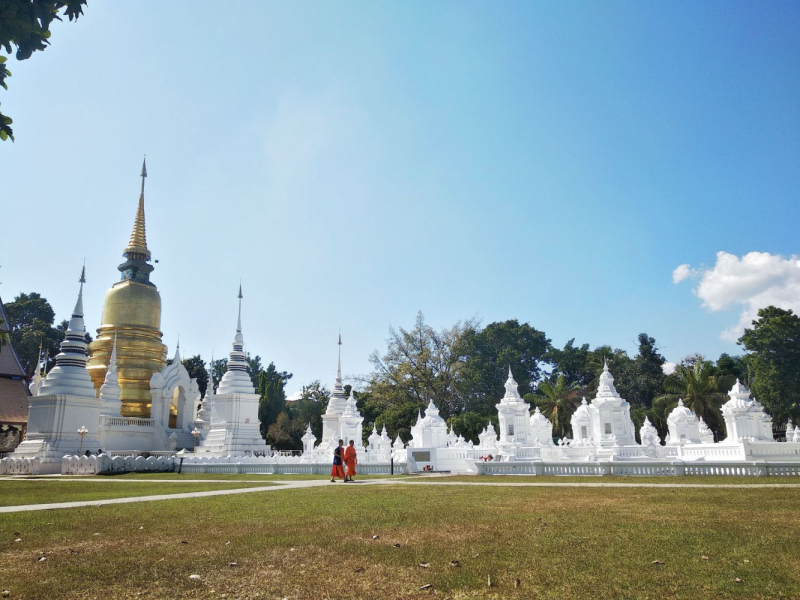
[274,486]
[311,483]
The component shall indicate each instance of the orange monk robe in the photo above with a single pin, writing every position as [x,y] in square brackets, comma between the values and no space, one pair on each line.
[350,460]
[337,471]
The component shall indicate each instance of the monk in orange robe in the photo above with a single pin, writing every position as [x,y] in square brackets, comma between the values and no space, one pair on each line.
[350,460]
[338,461]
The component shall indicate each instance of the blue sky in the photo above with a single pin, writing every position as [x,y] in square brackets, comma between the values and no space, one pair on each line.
[354,163]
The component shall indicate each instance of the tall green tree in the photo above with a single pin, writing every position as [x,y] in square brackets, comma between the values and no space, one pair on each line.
[701,391]
[271,387]
[558,401]
[25,24]
[572,362]
[485,356]
[733,367]
[31,323]
[419,365]
[773,359]
[196,368]
[646,373]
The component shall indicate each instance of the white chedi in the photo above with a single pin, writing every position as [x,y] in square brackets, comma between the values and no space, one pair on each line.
[648,434]
[69,376]
[706,435]
[611,423]
[683,426]
[745,418]
[541,429]
[581,423]
[513,414]
[111,404]
[429,431]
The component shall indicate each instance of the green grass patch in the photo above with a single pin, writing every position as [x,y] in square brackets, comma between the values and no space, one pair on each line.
[48,491]
[318,543]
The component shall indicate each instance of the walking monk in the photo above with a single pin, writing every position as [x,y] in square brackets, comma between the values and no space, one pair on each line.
[350,460]
[338,460]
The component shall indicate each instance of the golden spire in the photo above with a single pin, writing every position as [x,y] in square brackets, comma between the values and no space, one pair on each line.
[138,241]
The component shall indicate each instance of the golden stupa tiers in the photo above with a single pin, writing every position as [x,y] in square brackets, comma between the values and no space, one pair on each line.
[132,312]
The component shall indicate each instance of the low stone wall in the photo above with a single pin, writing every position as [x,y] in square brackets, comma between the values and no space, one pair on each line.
[267,466]
[20,466]
[640,469]
[108,465]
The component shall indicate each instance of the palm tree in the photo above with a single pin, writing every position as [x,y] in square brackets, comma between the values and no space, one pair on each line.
[701,391]
[558,401]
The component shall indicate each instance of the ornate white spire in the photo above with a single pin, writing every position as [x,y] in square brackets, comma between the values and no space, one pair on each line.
[69,376]
[338,401]
[110,390]
[236,378]
[210,386]
[239,321]
[605,388]
[512,390]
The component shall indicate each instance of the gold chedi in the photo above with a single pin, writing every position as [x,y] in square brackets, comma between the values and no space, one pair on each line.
[132,312]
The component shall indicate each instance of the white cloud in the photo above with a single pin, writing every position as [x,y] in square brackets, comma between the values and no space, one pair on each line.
[756,280]
[668,368]
[680,273]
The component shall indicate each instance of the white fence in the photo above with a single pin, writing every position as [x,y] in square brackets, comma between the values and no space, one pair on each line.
[648,469]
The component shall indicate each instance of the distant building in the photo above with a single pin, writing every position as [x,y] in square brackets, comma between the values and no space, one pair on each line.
[13,394]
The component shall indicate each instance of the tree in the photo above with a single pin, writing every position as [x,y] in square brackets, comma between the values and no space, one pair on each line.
[286,432]
[26,25]
[3,333]
[197,370]
[31,323]
[733,367]
[647,373]
[419,365]
[773,359]
[255,367]
[701,391]
[470,424]
[485,356]
[620,365]
[218,369]
[572,363]
[557,401]
[271,388]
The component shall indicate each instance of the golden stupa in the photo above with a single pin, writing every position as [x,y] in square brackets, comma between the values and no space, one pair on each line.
[132,311]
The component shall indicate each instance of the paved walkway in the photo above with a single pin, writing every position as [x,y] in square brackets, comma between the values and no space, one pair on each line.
[311,483]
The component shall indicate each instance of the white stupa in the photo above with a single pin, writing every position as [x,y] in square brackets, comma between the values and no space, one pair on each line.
[111,405]
[235,426]
[514,415]
[337,404]
[63,418]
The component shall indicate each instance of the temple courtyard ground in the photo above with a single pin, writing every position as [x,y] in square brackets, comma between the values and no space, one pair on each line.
[256,536]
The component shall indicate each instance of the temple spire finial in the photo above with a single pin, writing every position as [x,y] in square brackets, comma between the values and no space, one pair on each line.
[239,322]
[144,172]
[339,367]
[136,253]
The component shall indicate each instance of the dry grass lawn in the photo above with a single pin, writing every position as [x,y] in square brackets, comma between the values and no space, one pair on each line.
[319,543]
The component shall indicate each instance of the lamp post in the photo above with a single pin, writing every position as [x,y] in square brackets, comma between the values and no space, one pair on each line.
[82,432]
[195,433]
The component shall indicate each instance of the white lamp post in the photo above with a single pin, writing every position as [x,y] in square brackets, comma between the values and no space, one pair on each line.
[82,432]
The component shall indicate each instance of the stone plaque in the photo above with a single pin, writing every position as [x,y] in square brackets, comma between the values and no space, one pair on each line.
[421,456]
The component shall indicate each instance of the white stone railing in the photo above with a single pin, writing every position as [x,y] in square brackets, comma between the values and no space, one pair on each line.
[108,421]
[136,453]
[650,468]
[20,466]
